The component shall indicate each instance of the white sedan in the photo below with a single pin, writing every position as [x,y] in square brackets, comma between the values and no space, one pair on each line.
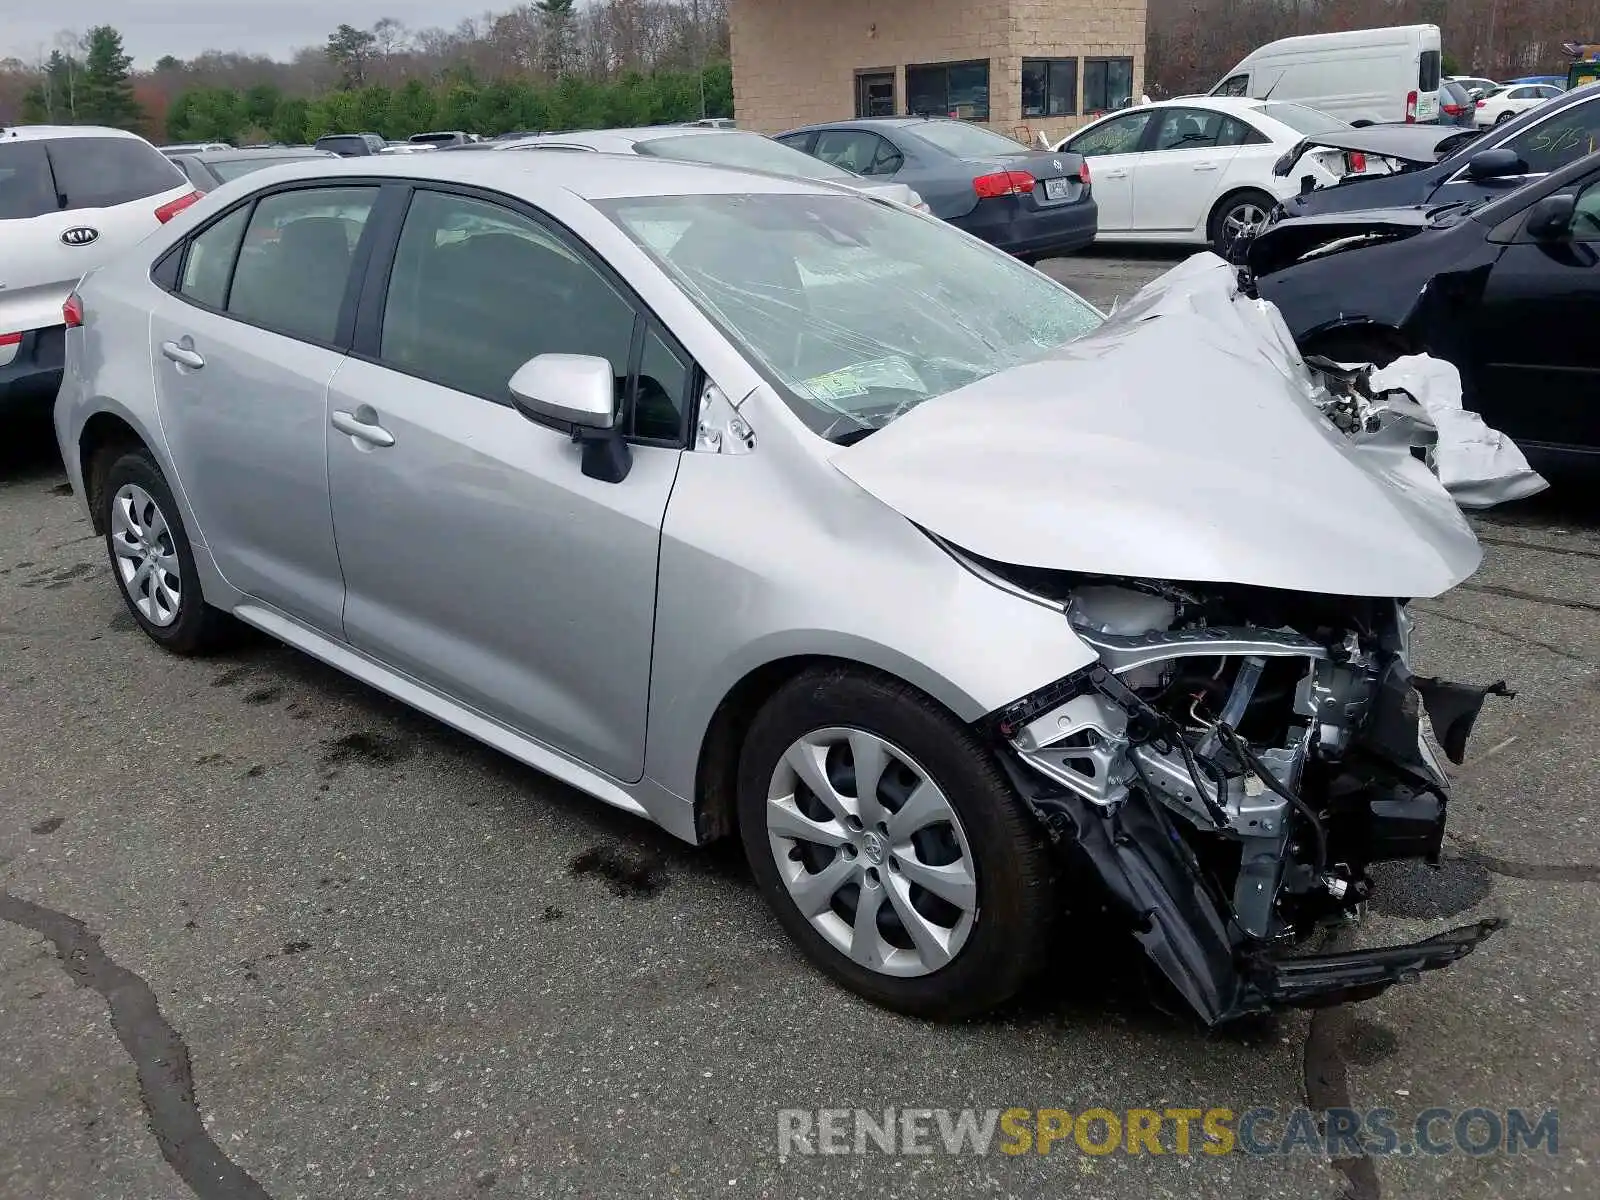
[1509,101]
[1199,169]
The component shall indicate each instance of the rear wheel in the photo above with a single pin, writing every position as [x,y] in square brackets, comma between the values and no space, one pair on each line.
[1238,216]
[891,847]
[1503,118]
[151,558]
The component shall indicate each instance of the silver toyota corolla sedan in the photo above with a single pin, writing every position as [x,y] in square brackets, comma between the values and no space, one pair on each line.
[760,507]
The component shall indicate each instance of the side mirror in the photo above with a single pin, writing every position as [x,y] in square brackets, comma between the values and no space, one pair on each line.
[1495,164]
[1551,218]
[578,391]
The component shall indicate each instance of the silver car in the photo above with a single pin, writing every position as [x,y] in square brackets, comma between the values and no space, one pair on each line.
[758,507]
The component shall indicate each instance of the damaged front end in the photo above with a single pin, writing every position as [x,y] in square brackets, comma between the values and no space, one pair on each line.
[1231,768]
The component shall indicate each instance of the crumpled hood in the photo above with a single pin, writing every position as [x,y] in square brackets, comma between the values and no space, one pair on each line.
[1179,441]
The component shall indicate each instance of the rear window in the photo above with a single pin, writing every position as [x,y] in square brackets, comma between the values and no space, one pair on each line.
[966,141]
[1429,70]
[25,186]
[231,169]
[746,151]
[101,172]
[1302,119]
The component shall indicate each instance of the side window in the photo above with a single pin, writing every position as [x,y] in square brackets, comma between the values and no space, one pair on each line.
[1562,139]
[1586,216]
[209,261]
[1236,133]
[1188,129]
[854,150]
[477,290]
[1234,85]
[294,264]
[1121,135]
[799,141]
[662,393]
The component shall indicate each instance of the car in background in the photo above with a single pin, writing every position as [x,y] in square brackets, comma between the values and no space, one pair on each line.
[1555,81]
[443,137]
[1198,170]
[717,147]
[1499,160]
[1496,108]
[1507,289]
[181,148]
[715,123]
[71,198]
[1363,76]
[726,423]
[351,145]
[1457,105]
[1031,203]
[1476,85]
[210,169]
[413,147]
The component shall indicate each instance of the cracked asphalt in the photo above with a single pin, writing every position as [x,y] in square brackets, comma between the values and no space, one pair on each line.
[266,933]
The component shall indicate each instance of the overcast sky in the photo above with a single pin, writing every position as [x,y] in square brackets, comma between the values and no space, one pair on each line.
[151,28]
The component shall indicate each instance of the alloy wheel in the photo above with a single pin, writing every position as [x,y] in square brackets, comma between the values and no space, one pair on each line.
[1243,219]
[871,852]
[146,555]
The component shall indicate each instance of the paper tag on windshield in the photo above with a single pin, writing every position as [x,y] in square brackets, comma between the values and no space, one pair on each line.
[858,380]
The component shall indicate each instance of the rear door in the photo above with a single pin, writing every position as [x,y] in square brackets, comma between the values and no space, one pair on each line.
[1113,150]
[67,205]
[242,353]
[1176,180]
[1540,363]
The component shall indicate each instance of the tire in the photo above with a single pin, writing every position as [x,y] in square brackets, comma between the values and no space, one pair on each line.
[1503,118]
[983,935]
[1234,208]
[151,559]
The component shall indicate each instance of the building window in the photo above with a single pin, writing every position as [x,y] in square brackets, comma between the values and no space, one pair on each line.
[1049,87]
[949,89]
[1107,83]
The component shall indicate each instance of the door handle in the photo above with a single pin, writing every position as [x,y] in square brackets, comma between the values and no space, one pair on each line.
[1116,175]
[367,431]
[1206,167]
[184,356]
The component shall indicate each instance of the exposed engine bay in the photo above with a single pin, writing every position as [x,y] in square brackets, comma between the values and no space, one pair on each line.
[1233,766]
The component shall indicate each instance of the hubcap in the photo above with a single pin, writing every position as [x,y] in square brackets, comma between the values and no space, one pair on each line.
[871,852]
[1242,219]
[147,559]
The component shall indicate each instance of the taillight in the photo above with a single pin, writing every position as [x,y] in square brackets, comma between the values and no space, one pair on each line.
[72,312]
[1452,110]
[1083,172]
[173,207]
[1002,183]
[1481,103]
[10,339]
[1357,162]
[1411,108]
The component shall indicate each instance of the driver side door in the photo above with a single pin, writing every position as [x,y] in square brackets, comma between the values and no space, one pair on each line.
[1179,175]
[479,559]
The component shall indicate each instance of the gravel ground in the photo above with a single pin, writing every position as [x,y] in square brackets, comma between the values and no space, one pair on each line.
[388,962]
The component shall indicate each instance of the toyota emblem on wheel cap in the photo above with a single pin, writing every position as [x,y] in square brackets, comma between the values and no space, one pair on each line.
[79,235]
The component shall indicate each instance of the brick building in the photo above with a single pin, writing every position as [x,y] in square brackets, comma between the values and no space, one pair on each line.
[1020,66]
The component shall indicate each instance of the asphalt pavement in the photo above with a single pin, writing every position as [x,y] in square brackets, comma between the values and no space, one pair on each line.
[266,933]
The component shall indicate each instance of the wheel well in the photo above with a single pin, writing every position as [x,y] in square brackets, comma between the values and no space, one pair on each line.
[717,775]
[104,437]
[1359,341]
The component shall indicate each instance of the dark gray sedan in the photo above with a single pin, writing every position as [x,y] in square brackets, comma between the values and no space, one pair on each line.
[1031,203]
[210,169]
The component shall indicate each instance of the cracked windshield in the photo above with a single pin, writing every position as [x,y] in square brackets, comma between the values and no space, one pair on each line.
[858,312]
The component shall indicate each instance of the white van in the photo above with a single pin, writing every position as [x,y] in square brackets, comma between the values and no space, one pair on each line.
[1364,76]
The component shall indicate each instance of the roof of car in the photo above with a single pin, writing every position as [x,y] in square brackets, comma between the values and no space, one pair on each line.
[638,133]
[590,176]
[41,132]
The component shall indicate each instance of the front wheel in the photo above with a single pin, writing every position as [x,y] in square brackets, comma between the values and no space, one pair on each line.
[891,847]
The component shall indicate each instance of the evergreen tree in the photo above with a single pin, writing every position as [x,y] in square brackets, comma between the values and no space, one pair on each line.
[105,91]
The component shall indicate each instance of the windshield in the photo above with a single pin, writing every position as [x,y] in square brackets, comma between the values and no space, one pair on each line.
[230,169]
[1302,119]
[966,141]
[748,151]
[854,311]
